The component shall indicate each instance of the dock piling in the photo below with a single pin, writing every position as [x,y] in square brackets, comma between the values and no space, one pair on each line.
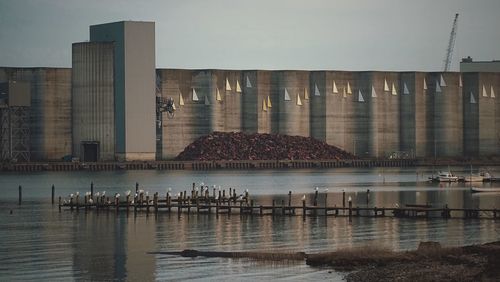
[20,194]
[53,193]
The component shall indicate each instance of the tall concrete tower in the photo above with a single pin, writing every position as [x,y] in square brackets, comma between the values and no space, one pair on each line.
[133,87]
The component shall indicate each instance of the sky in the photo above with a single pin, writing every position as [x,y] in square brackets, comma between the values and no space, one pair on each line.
[356,35]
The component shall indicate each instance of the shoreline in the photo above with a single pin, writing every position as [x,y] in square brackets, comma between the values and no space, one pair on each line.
[430,262]
[239,165]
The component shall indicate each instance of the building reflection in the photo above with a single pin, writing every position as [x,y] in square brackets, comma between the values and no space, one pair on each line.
[110,246]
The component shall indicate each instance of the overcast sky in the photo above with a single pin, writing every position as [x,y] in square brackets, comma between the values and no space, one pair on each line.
[262,34]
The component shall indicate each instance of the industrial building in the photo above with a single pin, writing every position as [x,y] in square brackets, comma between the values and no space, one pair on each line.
[109,106]
[114,93]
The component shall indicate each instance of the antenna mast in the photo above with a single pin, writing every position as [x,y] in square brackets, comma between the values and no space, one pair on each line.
[451,44]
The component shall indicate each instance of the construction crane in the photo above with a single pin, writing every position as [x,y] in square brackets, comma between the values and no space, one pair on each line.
[451,44]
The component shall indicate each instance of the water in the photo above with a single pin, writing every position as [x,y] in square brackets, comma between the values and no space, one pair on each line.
[39,242]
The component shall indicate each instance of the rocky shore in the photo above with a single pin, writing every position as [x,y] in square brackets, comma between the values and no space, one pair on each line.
[430,262]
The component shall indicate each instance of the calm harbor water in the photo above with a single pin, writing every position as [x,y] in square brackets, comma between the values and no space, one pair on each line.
[39,242]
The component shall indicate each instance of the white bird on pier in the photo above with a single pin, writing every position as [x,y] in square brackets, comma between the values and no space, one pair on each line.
[326,190]
[202,184]
[169,189]
[147,193]
[103,193]
[304,198]
[132,202]
[127,193]
[316,189]
[71,195]
[350,199]
[97,194]
[397,205]
[246,190]
[117,195]
[78,193]
[141,191]
[91,201]
[219,187]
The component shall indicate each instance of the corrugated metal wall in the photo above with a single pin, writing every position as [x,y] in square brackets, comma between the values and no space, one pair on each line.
[93,98]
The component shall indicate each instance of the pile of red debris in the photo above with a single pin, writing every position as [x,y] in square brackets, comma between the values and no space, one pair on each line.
[241,146]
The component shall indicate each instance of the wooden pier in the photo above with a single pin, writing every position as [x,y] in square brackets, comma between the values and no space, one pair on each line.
[218,202]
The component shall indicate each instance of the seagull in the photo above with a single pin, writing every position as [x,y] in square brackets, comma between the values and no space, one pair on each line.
[103,193]
[316,188]
[246,190]
[117,195]
[350,199]
[202,184]
[97,194]
[326,190]
[397,205]
[147,193]
[71,195]
[304,198]
[91,201]
[78,193]
[127,193]
[169,189]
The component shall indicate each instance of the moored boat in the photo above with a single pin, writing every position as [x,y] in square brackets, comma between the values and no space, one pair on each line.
[445,176]
[479,189]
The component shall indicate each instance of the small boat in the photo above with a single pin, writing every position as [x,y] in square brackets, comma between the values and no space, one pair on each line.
[483,176]
[477,189]
[445,176]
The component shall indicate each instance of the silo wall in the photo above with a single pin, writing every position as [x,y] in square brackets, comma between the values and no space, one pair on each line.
[93,98]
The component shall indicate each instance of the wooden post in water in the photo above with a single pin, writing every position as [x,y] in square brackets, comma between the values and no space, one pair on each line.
[179,204]
[117,202]
[273,208]
[169,200]
[343,198]
[136,187]
[316,197]
[304,206]
[128,202]
[367,197]
[59,203]
[77,201]
[283,207]
[289,198]
[53,193]
[147,204]
[92,191]
[350,208]
[20,194]
[326,202]
[155,202]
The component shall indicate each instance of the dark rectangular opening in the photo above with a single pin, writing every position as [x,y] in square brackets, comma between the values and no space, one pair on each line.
[90,151]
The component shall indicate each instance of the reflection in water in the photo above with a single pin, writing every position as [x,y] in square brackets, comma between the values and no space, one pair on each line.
[38,242]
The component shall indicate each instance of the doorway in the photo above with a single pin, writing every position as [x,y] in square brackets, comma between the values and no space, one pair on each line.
[90,151]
